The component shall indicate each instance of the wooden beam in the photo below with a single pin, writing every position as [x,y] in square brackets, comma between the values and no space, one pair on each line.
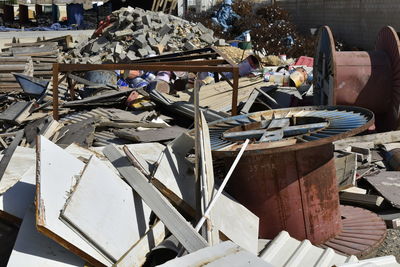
[9,152]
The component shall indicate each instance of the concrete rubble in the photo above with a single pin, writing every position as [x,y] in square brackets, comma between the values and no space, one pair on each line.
[213,156]
[135,33]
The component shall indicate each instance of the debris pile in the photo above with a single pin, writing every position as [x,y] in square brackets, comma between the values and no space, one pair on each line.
[271,29]
[128,167]
[134,33]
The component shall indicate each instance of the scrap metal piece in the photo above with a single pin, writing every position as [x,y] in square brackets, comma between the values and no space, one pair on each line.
[368,79]
[290,184]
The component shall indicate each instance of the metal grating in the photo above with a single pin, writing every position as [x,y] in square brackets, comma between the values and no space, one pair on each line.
[306,125]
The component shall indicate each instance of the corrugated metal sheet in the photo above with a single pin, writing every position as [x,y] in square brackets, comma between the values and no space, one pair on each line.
[386,261]
[287,251]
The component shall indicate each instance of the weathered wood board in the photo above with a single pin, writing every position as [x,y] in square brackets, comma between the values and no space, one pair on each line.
[56,176]
[388,185]
[106,211]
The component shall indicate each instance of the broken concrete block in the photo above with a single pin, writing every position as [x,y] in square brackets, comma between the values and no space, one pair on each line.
[123,33]
[143,52]
[189,45]
[220,42]
[202,28]
[165,30]
[165,40]
[140,41]
[147,20]
[118,49]
[95,59]
[207,38]
[131,55]
[152,41]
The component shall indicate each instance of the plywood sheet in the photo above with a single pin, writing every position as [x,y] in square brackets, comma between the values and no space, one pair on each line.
[17,199]
[22,159]
[56,176]
[388,185]
[106,211]
[32,249]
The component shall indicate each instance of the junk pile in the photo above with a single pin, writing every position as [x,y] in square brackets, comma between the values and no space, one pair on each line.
[146,166]
[133,33]
[271,29]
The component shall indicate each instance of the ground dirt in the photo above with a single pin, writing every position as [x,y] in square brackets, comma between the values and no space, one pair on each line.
[390,246]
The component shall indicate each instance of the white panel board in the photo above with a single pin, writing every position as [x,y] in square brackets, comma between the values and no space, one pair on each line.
[234,220]
[22,159]
[105,210]
[32,249]
[17,199]
[56,177]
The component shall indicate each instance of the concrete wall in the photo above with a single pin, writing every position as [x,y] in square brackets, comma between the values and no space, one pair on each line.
[356,22]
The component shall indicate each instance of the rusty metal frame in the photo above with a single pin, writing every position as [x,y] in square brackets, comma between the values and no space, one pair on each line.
[172,62]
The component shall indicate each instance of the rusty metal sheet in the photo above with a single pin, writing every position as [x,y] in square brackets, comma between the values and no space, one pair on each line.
[388,185]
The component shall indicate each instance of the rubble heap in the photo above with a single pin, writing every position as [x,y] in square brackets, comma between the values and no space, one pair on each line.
[135,33]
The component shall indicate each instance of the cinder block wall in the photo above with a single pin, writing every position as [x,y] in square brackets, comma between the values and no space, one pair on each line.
[356,22]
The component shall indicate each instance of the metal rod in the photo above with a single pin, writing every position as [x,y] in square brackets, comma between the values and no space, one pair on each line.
[222,187]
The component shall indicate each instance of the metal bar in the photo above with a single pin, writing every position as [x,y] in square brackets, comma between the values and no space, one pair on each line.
[191,68]
[227,80]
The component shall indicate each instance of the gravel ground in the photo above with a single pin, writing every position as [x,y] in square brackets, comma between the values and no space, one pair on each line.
[390,246]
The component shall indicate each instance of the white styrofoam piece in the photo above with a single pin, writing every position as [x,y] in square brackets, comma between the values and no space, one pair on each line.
[106,210]
[57,175]
[16,200]
[225,254]
[22,159]
[33,249]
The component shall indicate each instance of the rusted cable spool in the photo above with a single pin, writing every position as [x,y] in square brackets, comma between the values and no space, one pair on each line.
[368,79]
[289,180]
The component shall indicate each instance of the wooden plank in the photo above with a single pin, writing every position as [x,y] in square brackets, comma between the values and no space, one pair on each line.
[17,112]
[21,161]
[15,201]
[388,185]
[346,170]
[158,135]
[224,254]
[391,218]
[101,201]
[207,179]
[136,256]
[172,219]
[377,139]
[32,249]
[370,201]
[250,101]
[9,152]
[56,176]
[174,178]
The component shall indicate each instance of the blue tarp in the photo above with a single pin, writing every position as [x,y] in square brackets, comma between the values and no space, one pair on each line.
[225,16]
